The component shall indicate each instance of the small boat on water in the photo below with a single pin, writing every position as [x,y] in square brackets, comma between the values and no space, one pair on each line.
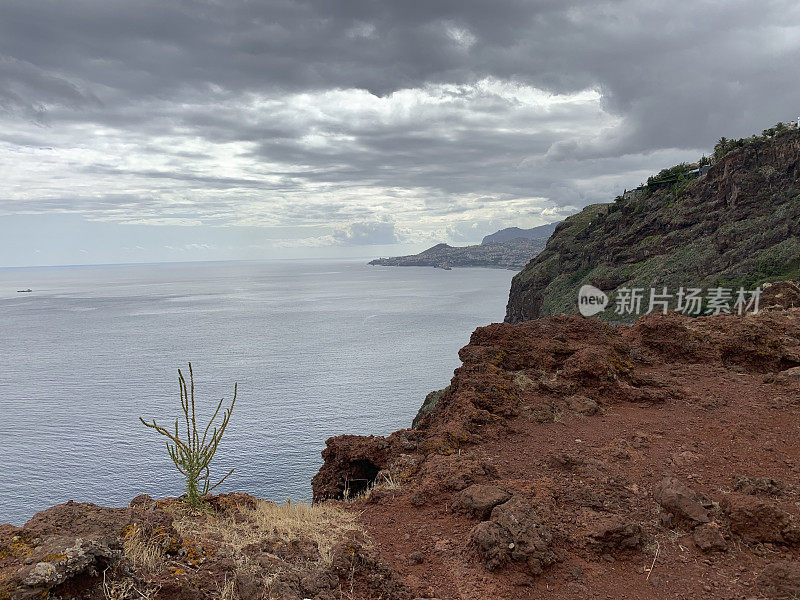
[24,291]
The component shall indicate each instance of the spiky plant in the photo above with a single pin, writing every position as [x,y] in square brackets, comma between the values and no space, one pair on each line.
[193,455]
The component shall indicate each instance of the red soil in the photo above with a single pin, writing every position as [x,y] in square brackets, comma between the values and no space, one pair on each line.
[582,424]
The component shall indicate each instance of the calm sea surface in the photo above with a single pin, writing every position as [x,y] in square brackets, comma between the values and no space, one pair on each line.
[319,348]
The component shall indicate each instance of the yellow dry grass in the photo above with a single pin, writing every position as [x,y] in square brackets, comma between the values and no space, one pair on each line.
[386,482]
[324,524]
[142,552]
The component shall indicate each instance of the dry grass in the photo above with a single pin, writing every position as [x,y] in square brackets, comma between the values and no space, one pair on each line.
[321,523]
[206,534]
[117,589]
[141,552]
[386,482]
[145,557]
[124,589]
[227,591]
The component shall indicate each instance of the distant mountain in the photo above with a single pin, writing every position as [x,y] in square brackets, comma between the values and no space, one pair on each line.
[513,254]
[511,233]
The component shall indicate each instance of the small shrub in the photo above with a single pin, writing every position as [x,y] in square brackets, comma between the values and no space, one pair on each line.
[193,455]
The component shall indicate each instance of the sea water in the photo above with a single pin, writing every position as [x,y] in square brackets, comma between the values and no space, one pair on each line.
[318,348]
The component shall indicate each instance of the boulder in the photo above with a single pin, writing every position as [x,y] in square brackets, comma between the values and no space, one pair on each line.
[759,521]
[515,532]
[67,559]
[582,405]
[679,500]
[708,538]
[68,546]
[479,500]
[616,533]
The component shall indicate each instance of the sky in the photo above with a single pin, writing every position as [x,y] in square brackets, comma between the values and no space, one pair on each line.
[165,130]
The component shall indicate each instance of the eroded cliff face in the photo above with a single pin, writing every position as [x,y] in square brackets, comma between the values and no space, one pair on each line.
[573,459]
[737,225]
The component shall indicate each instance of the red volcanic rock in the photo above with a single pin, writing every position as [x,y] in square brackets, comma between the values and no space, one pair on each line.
[680,501]
[615,533]
[709,538]
[757,486]
[67,547]
[619,447]
[351,465]
[601,457]
[768,342]
[479,500]
[85,551]
[515,532]
[758,521]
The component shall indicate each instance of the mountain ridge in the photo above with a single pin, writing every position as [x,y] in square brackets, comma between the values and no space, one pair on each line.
[512,233]
[504,249]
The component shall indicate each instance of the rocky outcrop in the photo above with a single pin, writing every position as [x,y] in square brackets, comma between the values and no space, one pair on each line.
[571,458]
[428,405]
[738,225]
[238,547]
[353,463]
[514,532]
[567,459]
[68,547]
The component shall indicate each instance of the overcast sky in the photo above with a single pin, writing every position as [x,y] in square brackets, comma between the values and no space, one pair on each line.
[185,130]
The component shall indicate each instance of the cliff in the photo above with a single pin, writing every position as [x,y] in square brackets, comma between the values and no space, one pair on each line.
[573,459]
[737,225]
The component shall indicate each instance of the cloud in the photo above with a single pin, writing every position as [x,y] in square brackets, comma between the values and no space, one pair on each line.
[378,120]
[371,233]
[367,234]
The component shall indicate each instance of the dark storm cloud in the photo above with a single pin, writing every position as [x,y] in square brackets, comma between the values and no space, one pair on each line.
[249,109]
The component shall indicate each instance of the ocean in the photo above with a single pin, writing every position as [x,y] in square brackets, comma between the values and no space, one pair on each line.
[318,348]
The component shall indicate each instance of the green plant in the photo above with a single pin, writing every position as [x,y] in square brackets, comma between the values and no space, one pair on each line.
[193,455]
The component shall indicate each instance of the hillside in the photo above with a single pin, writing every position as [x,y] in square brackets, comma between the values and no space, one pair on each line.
[513,254]
[736,225]
[512,233]
[572,459]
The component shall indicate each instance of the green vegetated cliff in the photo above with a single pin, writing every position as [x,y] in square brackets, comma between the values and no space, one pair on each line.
[736,225]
